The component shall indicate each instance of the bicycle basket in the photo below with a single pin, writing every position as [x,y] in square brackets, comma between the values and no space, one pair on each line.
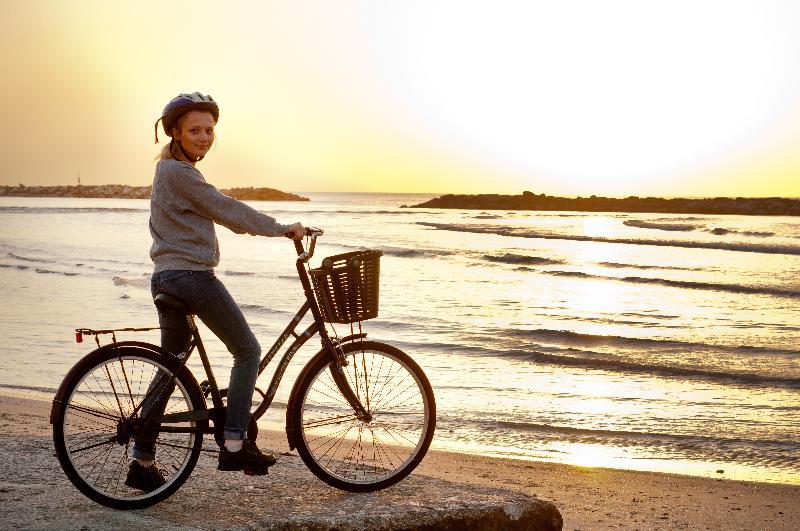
[346,286]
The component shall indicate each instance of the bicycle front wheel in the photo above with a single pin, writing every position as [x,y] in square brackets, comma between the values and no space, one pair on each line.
[365,454]
[106,402]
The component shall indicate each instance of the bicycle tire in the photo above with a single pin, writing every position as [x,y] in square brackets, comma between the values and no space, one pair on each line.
[105,387]
[406,419]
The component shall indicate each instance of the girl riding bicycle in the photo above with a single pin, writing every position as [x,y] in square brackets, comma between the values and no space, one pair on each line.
[185,250]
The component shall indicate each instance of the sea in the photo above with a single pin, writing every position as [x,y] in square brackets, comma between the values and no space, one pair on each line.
[657,342]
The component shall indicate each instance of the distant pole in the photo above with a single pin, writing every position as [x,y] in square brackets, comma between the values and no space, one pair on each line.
[79,176]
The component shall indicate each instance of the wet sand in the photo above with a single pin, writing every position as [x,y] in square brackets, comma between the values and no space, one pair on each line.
[588,498]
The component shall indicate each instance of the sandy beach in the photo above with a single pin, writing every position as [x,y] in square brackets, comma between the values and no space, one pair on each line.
[588,498]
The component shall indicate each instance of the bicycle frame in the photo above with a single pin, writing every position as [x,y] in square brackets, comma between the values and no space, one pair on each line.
[333,347]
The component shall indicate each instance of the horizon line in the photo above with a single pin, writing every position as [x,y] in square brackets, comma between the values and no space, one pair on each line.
[438,194]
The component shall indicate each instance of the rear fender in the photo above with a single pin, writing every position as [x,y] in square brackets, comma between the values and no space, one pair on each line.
[56,409]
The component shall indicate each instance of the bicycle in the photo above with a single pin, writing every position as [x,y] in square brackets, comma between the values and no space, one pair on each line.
[361,414]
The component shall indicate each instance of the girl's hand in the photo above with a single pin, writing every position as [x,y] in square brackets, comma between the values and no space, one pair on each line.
[296,231]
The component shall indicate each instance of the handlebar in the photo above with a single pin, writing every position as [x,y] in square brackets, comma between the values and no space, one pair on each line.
[302,254]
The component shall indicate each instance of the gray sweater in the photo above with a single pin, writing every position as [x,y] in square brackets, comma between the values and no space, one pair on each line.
[183,210]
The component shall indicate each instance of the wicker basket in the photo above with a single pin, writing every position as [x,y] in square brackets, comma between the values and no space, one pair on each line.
[346,286]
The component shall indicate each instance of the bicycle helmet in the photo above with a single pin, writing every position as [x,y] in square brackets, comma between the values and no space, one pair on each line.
[180,105]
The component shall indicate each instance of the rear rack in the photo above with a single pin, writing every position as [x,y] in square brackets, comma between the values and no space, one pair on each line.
[80,332]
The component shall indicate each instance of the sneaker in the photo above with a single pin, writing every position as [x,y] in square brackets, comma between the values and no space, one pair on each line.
[146,478]
[249,458]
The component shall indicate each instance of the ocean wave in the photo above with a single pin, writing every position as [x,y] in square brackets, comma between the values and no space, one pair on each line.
[47,390]
[731,288]
[511,258]
[67,210]
[30,259]
[49,269]
[566,337]
[658,437]
[682,284]
[51,272]
[719,231]
[572,357]
[15,266]
[649,315]
[524,232]
[141,264]
[23,256]
[406,252]
[238,273]
[676,227]
[133,282]
[773,452]
[783,453]
[576,274]
[651,369]
[257,308]
[642,266]
[397,251]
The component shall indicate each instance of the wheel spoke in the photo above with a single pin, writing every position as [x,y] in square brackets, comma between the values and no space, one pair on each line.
[332,420]
[88,443]
[378,450]
[110,440]
[91,411]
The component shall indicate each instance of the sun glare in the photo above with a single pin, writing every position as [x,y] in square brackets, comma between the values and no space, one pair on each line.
[604,98]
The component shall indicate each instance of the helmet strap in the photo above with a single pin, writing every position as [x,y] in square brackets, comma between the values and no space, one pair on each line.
[183,152]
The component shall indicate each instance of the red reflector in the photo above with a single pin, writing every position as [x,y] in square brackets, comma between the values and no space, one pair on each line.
[78,337]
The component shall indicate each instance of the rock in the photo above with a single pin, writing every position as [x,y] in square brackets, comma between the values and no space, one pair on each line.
[137,192]
[37,495]
[771,206]
[262,194]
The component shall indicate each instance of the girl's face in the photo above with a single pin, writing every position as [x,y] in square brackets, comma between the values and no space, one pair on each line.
[195,132]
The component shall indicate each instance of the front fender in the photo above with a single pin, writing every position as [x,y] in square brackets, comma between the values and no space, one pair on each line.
[291,436]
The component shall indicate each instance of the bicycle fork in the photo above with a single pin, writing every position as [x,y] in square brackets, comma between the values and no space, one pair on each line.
[337,372]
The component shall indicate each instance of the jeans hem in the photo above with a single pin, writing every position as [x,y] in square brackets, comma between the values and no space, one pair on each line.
[234,434]
[143,455]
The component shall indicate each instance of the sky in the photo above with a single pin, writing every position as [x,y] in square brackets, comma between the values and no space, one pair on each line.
[616,98]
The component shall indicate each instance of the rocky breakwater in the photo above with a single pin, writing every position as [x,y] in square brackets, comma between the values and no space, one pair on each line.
[766,206]
[121,191]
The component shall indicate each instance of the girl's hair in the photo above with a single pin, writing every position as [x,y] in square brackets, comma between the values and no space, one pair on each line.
[166,152]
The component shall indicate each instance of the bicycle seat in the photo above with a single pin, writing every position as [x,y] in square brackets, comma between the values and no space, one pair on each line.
[169,303]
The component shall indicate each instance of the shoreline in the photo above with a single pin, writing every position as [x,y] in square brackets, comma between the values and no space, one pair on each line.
[588,497]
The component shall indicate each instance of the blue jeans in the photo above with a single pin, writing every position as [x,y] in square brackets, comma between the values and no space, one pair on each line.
[208,299]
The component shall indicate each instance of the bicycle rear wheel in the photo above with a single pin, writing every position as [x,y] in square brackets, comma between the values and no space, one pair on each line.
[362,455]
[104,401]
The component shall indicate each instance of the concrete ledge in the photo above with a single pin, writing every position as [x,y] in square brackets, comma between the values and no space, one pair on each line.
[35,494]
